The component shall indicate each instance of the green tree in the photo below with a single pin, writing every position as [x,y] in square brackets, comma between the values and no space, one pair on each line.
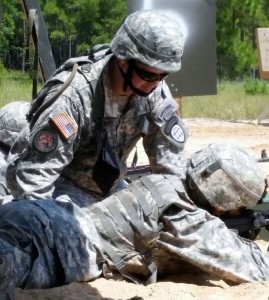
[98,21]
[236,24]
[87,16]
[76,25]
[111,15]
[11,32]
[60,25]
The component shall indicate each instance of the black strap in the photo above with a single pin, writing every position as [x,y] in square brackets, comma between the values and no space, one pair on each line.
[98,103]
[33,30]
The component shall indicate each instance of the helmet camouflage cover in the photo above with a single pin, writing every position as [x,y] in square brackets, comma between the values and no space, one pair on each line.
[226,176]
[150,38]
[12,120]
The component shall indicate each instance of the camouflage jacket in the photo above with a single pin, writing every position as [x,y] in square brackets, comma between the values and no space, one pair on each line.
[63,141]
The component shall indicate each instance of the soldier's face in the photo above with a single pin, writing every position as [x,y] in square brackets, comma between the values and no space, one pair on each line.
[146,78]
[141,79]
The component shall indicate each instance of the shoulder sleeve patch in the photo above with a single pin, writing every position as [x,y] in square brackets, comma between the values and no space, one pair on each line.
[176,132]
[174,129]
[64,124]
[45,141]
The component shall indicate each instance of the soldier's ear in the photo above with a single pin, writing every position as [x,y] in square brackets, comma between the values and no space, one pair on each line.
[218,211]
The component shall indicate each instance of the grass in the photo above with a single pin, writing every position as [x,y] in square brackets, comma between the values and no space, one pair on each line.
[230,103]
[16,87]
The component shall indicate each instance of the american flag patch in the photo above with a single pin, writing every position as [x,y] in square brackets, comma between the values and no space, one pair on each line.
[64,124]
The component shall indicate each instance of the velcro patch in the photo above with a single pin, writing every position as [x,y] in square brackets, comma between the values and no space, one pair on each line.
[65,125]
[177,133]
[45,141]
[174,130]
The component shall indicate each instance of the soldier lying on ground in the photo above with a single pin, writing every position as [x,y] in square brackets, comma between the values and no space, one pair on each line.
[50,243]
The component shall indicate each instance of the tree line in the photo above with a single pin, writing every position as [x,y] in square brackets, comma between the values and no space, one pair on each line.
[76,25]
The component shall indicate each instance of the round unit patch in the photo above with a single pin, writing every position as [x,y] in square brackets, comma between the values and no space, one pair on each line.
[177,133]
[45,141]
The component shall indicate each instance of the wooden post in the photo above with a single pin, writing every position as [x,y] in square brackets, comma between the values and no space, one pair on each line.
[262,40]
[179,111]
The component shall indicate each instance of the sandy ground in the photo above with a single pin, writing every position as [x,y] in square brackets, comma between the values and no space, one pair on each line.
[249,136]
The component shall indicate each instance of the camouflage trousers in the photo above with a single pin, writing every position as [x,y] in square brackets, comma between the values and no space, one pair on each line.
[34,247]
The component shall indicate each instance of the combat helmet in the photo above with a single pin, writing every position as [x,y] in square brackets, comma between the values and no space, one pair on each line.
[150,38]
[12,120]
[225,176]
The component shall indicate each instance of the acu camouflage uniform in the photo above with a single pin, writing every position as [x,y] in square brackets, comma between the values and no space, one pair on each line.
[49,154]
[12,120]
[136,231]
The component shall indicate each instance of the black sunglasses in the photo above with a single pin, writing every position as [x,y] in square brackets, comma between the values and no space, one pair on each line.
[148,76]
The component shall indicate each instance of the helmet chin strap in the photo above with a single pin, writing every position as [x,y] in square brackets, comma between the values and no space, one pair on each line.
[127,80]
[139,92]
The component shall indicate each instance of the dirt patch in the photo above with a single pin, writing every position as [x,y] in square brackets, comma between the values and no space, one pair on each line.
[249,136]
[202,132]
